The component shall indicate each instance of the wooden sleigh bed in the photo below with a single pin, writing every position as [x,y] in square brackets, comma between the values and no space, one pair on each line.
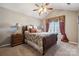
[40,41]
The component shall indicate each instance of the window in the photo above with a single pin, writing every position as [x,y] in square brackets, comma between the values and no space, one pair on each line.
[54,27]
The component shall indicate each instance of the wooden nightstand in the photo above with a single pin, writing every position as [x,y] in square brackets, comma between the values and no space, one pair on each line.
[16,39]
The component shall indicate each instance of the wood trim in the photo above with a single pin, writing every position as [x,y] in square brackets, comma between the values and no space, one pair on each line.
[4,45]
[73,42]
[55,17]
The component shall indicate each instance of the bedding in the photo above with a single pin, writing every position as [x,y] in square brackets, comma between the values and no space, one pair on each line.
[39,40]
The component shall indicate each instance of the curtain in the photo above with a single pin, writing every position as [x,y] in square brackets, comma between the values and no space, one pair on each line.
[50,27]
[54,27]
[62,28]
[47,25]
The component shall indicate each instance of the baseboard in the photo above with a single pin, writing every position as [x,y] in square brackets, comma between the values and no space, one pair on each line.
[73,42]
[4,45]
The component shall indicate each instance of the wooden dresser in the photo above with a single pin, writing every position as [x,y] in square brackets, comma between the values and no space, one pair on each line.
[16,39]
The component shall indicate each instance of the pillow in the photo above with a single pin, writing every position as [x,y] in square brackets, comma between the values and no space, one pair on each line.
[24,28]
[33,30]
[29,30]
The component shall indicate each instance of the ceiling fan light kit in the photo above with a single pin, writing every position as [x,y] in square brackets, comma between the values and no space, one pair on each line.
[42,8]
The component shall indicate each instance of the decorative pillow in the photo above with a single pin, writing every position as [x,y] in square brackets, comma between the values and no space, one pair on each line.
[33,30]
[29,30]
[26,31]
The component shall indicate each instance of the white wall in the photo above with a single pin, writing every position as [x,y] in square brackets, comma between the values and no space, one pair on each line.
[71,23]
[78,13]
[78,30]
[10,18]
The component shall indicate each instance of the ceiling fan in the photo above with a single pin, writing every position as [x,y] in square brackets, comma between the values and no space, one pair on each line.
[42,8]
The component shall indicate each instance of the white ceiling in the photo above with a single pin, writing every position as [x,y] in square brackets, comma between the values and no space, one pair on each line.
[26,8]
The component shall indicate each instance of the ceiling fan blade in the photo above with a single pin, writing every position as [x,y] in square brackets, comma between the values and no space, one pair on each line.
[35,9]
[50,8]
[46,3]
[37,5]
[39,13]
[68,3]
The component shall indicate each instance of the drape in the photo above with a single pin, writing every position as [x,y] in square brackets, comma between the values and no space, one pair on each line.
[62,28]
[47,25]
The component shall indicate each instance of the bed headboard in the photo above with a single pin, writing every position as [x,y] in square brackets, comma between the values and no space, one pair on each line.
[24,28]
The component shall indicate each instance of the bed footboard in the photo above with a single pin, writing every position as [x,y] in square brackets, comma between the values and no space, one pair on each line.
[48,42]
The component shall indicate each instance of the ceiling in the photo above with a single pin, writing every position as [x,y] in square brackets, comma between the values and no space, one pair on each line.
[27,8]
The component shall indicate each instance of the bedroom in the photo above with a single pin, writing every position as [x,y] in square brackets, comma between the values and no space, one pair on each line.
[23,14]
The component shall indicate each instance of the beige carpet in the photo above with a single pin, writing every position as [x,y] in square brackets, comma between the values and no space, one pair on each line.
[60,49]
